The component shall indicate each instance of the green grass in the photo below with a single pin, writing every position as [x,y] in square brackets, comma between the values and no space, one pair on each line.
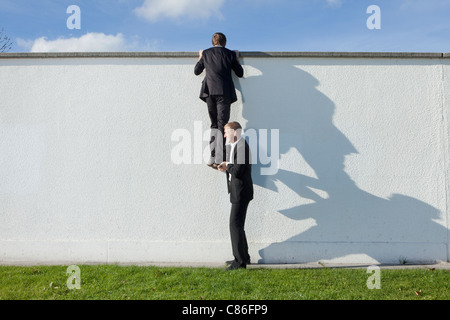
[113,282]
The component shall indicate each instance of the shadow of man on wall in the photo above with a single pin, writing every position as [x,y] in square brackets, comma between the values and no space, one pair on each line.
[348,220]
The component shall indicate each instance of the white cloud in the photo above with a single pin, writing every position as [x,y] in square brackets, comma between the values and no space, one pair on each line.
[154,10]
[334,3]
[89,42]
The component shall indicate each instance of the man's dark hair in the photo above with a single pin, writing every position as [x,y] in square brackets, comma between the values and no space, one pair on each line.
[219,39]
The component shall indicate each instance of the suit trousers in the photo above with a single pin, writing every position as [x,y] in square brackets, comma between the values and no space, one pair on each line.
[238,238]
[219,114]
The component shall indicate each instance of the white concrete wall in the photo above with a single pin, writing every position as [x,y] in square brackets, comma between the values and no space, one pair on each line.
[88,151]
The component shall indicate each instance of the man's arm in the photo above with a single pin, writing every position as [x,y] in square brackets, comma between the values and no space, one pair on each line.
[236,170]
[199,67]
[236,66]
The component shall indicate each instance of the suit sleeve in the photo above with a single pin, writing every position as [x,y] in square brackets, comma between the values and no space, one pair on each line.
[236,170]
[237,68]
[199,67]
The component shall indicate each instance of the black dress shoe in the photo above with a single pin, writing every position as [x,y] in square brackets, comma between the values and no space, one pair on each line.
[231,261]
[214,166]
[235,266]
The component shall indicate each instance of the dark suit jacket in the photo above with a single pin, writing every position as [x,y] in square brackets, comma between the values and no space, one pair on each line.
[218,62]
[240,187]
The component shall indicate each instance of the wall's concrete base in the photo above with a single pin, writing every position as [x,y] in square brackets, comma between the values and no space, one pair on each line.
[143,252]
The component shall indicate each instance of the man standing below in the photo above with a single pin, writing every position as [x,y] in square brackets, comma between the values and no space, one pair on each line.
[240,187]
[218,91]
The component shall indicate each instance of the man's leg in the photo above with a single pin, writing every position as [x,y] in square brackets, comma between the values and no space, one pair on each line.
[239,243]
[223,116]
[212,112]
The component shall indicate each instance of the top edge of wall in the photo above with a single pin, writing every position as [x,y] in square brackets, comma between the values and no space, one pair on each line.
[244,54]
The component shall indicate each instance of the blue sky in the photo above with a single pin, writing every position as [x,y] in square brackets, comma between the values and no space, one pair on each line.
[250,25]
